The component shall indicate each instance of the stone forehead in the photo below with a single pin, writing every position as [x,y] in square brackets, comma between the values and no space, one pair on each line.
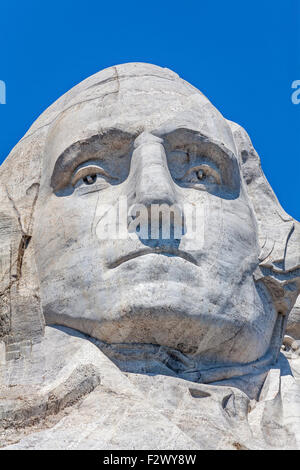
[133,98]
[124,77]
[120,74]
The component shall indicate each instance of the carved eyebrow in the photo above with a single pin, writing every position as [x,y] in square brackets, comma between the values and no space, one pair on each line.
[183,138]
[171,132]
[113,144]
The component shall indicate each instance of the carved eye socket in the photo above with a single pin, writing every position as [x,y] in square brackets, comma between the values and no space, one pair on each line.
[89,179]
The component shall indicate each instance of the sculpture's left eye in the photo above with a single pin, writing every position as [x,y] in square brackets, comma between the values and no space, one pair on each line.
[201,175]
[89,179]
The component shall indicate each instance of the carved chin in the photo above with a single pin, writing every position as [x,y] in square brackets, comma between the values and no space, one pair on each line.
[203,335]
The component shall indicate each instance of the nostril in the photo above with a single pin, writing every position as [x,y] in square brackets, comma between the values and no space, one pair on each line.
[157,222]
[149,200]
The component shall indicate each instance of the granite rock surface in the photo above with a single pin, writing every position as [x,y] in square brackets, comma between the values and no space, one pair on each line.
[148,277]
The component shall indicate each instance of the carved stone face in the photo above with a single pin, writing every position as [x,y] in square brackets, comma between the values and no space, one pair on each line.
[151,141]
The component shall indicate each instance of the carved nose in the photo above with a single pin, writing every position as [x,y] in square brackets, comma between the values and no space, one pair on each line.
[163,220]
[154,184]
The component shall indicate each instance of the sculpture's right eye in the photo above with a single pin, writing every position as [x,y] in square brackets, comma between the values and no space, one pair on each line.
[89,179]
[89,174]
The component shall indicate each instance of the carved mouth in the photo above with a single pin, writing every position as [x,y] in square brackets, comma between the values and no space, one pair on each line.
[170,252]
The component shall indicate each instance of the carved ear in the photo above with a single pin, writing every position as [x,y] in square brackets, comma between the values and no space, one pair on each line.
[21,318]
[279,234]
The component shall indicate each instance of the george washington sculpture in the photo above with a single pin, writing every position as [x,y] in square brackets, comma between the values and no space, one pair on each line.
[144,313]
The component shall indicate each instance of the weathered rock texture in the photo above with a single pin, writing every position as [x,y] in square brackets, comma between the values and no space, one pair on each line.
[147,339]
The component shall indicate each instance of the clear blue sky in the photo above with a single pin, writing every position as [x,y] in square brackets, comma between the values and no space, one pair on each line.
[242,55]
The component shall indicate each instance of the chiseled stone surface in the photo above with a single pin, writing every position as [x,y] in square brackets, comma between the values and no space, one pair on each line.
[173,342]
[139,411]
